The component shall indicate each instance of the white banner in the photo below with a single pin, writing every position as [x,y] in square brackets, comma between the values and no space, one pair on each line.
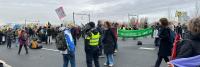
[60,12]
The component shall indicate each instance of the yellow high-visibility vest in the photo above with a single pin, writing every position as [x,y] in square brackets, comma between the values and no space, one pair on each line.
[94,39]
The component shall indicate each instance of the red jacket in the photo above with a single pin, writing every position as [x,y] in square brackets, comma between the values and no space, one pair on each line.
[177,39]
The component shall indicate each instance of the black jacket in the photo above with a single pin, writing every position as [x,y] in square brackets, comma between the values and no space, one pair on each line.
[165,44]
[190,48]
[109,42]
[49,32]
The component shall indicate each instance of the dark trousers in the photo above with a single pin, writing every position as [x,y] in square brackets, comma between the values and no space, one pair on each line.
[116,46]
[20,47]
[101,49]
[92,56]
[74,41]
[9,43]
[159,60]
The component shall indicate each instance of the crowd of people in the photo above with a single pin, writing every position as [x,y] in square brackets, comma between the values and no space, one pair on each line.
[100,41]
[180,43]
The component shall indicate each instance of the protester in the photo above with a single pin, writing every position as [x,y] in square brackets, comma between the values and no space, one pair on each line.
[49,34]
[109,43]
[9,37]
[114,30]
[101,31]
[34,44]
[74,33]
[145,25]
[179,29]
[165,45]
[157,39]
[1,37]
[123,28]
[23,40]
[65,39]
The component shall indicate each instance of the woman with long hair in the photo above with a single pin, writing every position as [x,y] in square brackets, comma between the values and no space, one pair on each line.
[23,40]
[165,44]
[109,42]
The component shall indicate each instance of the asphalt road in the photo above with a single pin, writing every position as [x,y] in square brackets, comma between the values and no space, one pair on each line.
[129,55]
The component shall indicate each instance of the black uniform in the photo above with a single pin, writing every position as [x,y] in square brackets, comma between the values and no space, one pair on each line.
[92,52]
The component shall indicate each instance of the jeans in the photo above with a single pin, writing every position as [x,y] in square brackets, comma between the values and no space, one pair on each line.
[109,59]
[67,58]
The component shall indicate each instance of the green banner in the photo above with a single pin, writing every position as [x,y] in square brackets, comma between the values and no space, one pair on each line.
[135,33]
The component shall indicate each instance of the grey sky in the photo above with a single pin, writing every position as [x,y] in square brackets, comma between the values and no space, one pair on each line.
[44,10]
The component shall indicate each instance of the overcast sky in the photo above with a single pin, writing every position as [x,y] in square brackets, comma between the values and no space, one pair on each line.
[44,10]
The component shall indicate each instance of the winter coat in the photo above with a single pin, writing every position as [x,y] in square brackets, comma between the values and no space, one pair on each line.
[175,46]
[23,41]
[9,35]
[165,45]
[190,48]
[114,30]
[49,32]
[109,42]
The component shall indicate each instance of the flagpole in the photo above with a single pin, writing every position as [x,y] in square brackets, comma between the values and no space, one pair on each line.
[74,18]
[197,8]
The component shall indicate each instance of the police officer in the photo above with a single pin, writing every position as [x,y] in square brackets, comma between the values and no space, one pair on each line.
[92,43]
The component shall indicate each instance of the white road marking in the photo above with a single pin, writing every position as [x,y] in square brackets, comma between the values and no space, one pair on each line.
[50,49]
[145,48]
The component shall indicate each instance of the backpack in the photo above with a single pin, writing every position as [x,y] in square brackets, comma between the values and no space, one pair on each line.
[61,41]
[139,43]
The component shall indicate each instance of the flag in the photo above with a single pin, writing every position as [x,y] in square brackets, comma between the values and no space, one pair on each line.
[187,62]
[60,12]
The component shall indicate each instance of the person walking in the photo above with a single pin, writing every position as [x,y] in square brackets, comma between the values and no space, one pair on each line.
[109,42]
[23,40]
[9,36]
[179,29]
[114,30]
[101,31]
[1,37]
[165,44]
[92,43]
[49,34]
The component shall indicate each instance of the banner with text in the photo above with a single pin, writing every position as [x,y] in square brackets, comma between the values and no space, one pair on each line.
[135,33]
[60,12]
